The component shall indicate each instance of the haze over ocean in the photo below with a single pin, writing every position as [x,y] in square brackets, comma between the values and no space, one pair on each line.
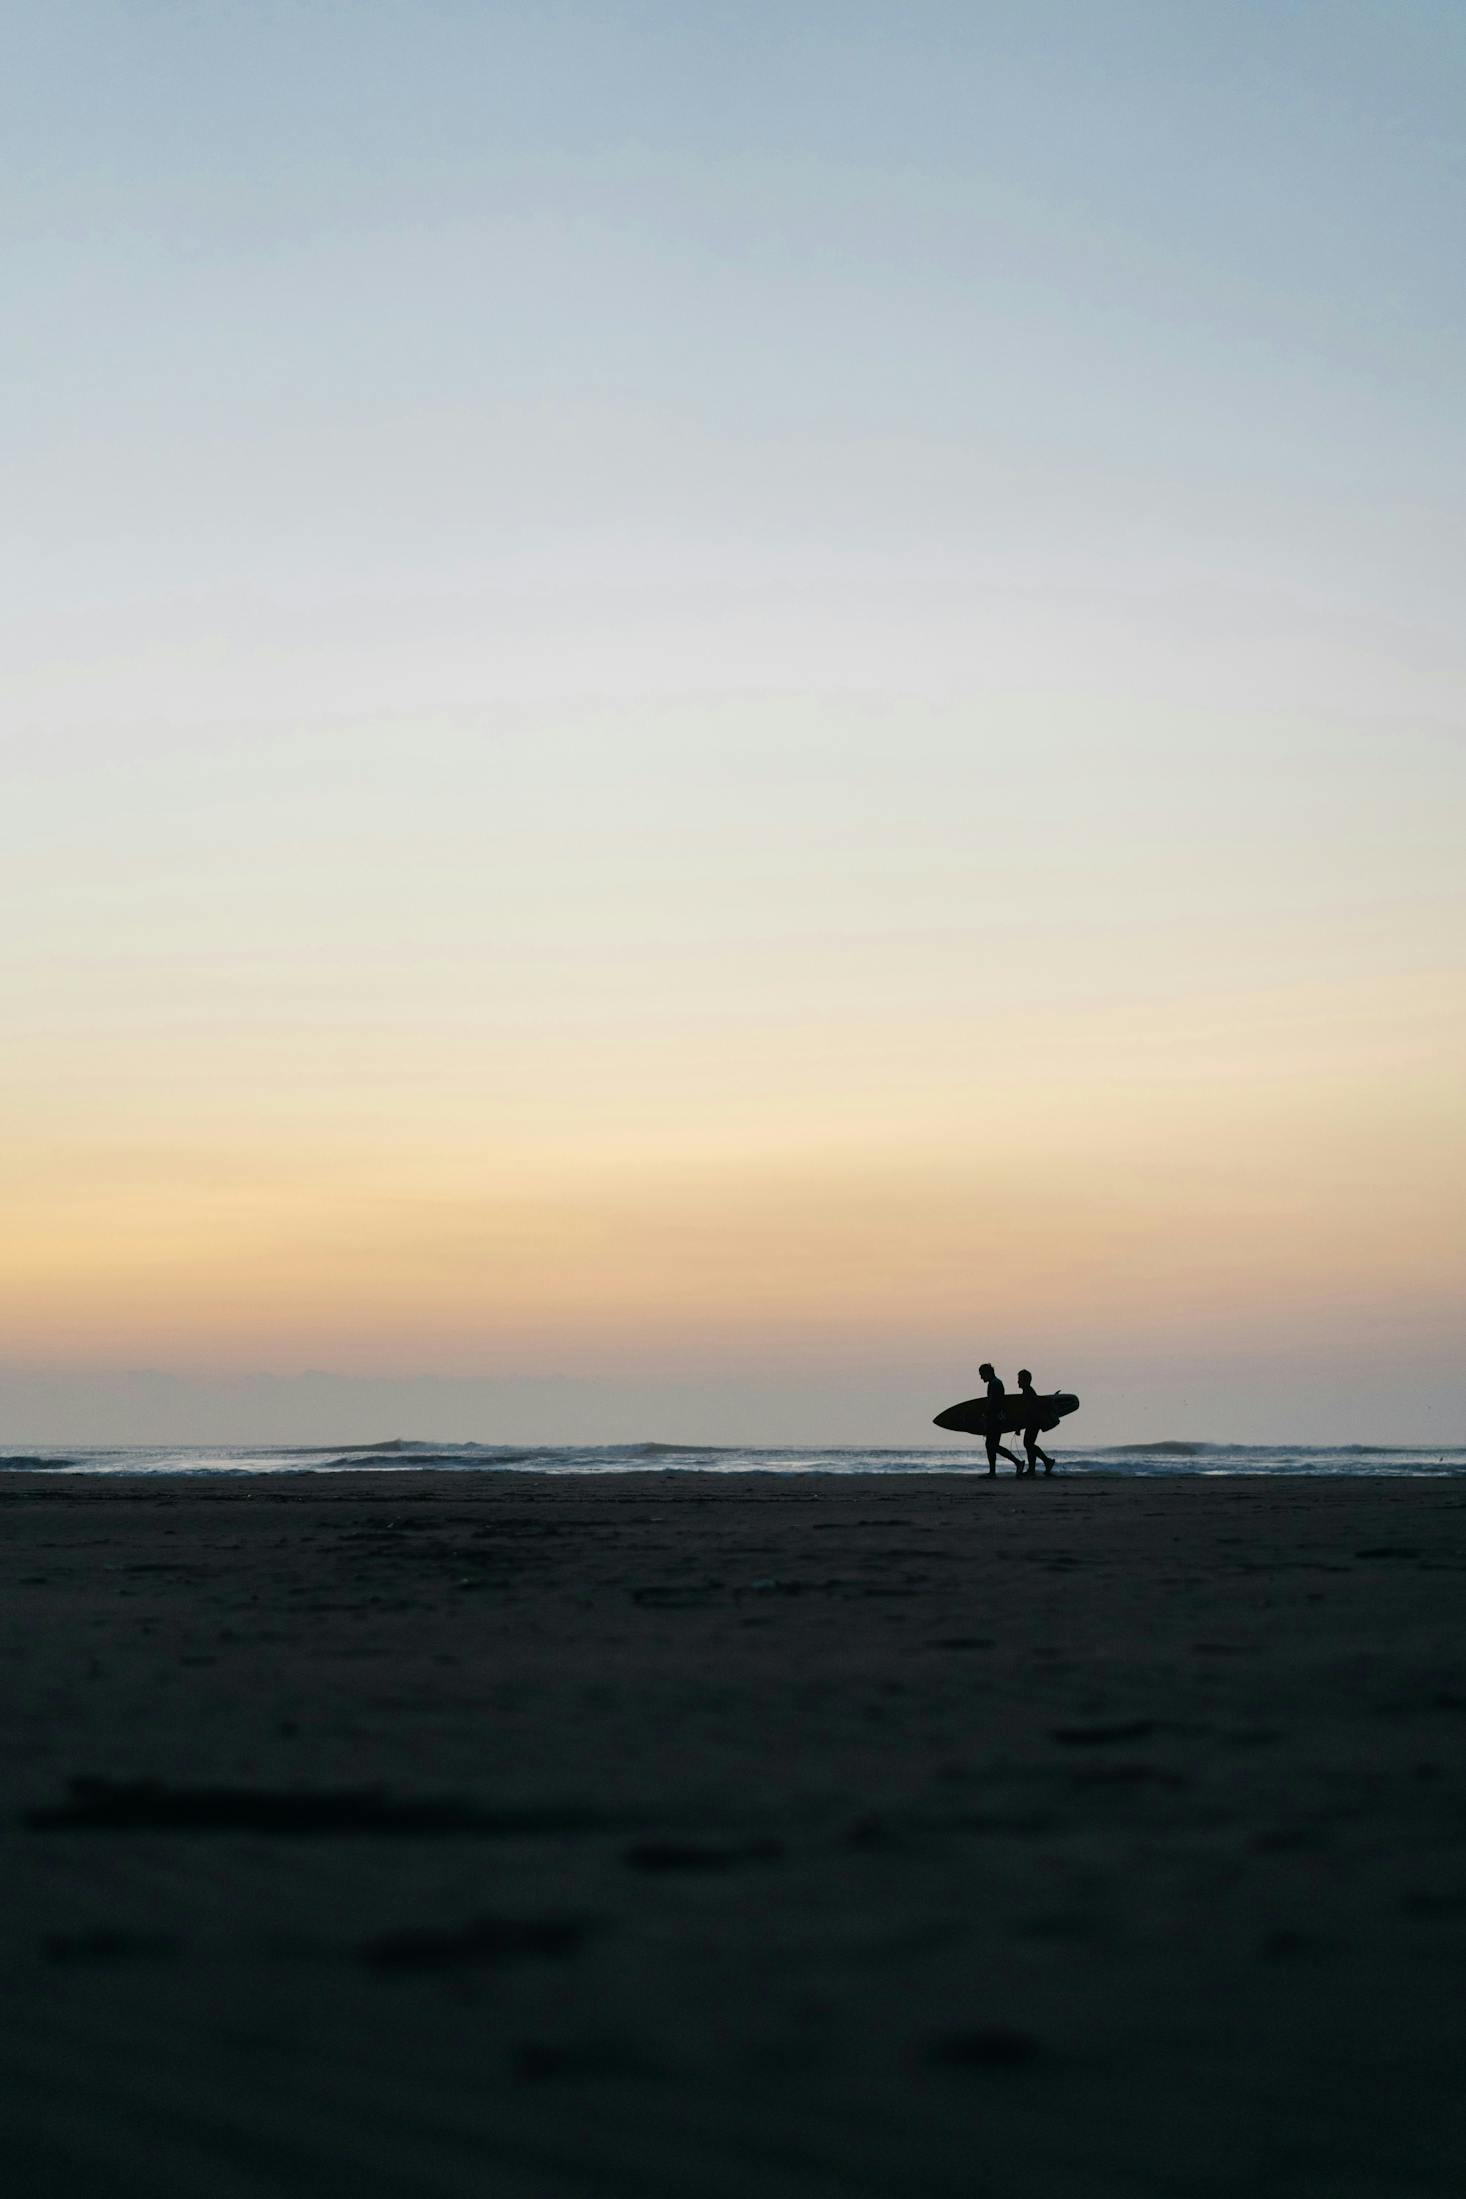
[710,711]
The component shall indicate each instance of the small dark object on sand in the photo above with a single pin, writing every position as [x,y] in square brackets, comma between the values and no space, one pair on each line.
[991,2046]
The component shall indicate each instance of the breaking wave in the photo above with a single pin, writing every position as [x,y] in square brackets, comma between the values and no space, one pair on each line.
[1169,1449]
[400,1454]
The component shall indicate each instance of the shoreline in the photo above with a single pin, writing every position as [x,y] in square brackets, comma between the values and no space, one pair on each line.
[19,1479]
[679,1834]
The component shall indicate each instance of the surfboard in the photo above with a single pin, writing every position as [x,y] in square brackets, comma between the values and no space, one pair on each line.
[971,1416]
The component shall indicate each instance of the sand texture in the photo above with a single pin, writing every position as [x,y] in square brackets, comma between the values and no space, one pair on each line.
[689,1838]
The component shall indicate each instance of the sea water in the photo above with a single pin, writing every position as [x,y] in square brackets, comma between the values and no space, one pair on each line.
[793,1459]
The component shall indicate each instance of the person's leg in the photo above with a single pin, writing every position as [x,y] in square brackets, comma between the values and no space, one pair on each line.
[1031,1452]
[992,1444]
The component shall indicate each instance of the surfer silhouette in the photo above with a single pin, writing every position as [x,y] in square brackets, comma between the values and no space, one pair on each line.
[1033,1408]
[997,1400]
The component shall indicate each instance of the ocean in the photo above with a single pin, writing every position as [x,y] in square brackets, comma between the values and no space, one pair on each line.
[794,1459]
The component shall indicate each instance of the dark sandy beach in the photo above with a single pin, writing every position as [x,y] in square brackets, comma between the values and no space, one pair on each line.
[689,1838]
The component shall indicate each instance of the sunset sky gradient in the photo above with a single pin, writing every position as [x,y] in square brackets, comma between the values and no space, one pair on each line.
[712,710]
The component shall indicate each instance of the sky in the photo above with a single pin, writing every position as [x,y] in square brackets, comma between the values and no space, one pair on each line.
[708,711]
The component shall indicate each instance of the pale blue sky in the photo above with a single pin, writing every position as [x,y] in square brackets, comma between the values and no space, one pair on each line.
[539,539]
[419,276]
[310,304]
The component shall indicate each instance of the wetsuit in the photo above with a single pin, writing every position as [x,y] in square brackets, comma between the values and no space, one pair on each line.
[1033,1420]
[997,1397]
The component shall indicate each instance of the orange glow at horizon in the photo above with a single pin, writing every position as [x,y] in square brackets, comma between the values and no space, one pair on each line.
[1209,1170]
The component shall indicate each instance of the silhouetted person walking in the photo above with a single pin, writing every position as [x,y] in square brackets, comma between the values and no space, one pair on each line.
[1032,1425]
[997,1398]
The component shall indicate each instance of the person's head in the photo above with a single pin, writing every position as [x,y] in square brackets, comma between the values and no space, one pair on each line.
[1025,1379]
[986,1370]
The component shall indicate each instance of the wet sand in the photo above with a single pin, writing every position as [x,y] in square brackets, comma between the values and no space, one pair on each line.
[689,1838]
